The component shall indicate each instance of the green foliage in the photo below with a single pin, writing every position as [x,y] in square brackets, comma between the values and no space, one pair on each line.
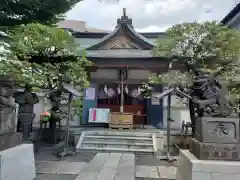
[201,43]
[41,40]
[171,78]
[17,12]
[210,45]
[46,54]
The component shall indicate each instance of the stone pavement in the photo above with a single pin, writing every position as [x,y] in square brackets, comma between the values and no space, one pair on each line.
[104,166]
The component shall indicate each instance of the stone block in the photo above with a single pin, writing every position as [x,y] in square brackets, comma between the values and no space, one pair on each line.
[217,130]
[167,172]
[59,167]
[17,163]
[8,140]
[221,176]
[214,151]
[190,168]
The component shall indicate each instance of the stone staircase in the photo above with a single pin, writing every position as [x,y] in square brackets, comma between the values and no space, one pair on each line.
[117,141]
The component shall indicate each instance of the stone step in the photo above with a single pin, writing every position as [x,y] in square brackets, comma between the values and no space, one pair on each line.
[114,133]
[117,143]
[117,140]
[119,137]
[147,150]
[125,145]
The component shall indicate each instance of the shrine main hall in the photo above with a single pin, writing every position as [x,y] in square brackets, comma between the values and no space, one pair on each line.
[122,61]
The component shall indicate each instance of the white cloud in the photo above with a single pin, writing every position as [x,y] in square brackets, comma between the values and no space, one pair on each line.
[153,29]
[149,15]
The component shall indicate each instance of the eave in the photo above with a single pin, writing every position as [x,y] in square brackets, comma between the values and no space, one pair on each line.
[99,35]
[130,31]
[231,15]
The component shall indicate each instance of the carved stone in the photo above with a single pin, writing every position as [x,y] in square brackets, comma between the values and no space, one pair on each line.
[217,130]
[214,151]
[7,106]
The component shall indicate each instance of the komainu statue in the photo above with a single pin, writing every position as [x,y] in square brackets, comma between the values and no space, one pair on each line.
[215,124]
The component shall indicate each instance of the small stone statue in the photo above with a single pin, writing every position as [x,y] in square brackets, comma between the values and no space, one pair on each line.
[7,106]
[26,101]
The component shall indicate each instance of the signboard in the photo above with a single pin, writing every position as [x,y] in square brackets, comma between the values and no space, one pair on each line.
[98,115]
[90,94]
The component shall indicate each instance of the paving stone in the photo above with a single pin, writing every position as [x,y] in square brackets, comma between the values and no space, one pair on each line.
[55,177]
[146,172]
[126,168]
[110,167]
[59,167]
[92,169]
[167,172]
[148,160]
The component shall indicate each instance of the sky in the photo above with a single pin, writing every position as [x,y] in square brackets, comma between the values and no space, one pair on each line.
[149,15]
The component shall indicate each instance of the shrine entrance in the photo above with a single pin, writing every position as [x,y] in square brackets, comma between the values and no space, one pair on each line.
[122,62]
[109,96]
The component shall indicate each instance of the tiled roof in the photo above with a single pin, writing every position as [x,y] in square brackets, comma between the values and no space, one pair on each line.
[231,14]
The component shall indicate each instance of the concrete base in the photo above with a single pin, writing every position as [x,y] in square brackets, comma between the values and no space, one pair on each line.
[190,168]
[17,163]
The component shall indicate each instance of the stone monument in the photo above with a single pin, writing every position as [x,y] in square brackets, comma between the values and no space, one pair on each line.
[26,115]
[215,141]
[8,137]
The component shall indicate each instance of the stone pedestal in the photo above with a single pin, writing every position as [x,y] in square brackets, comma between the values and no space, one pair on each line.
[190,168]
[214,151]
[17,163]
[9,140]
[218,130]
